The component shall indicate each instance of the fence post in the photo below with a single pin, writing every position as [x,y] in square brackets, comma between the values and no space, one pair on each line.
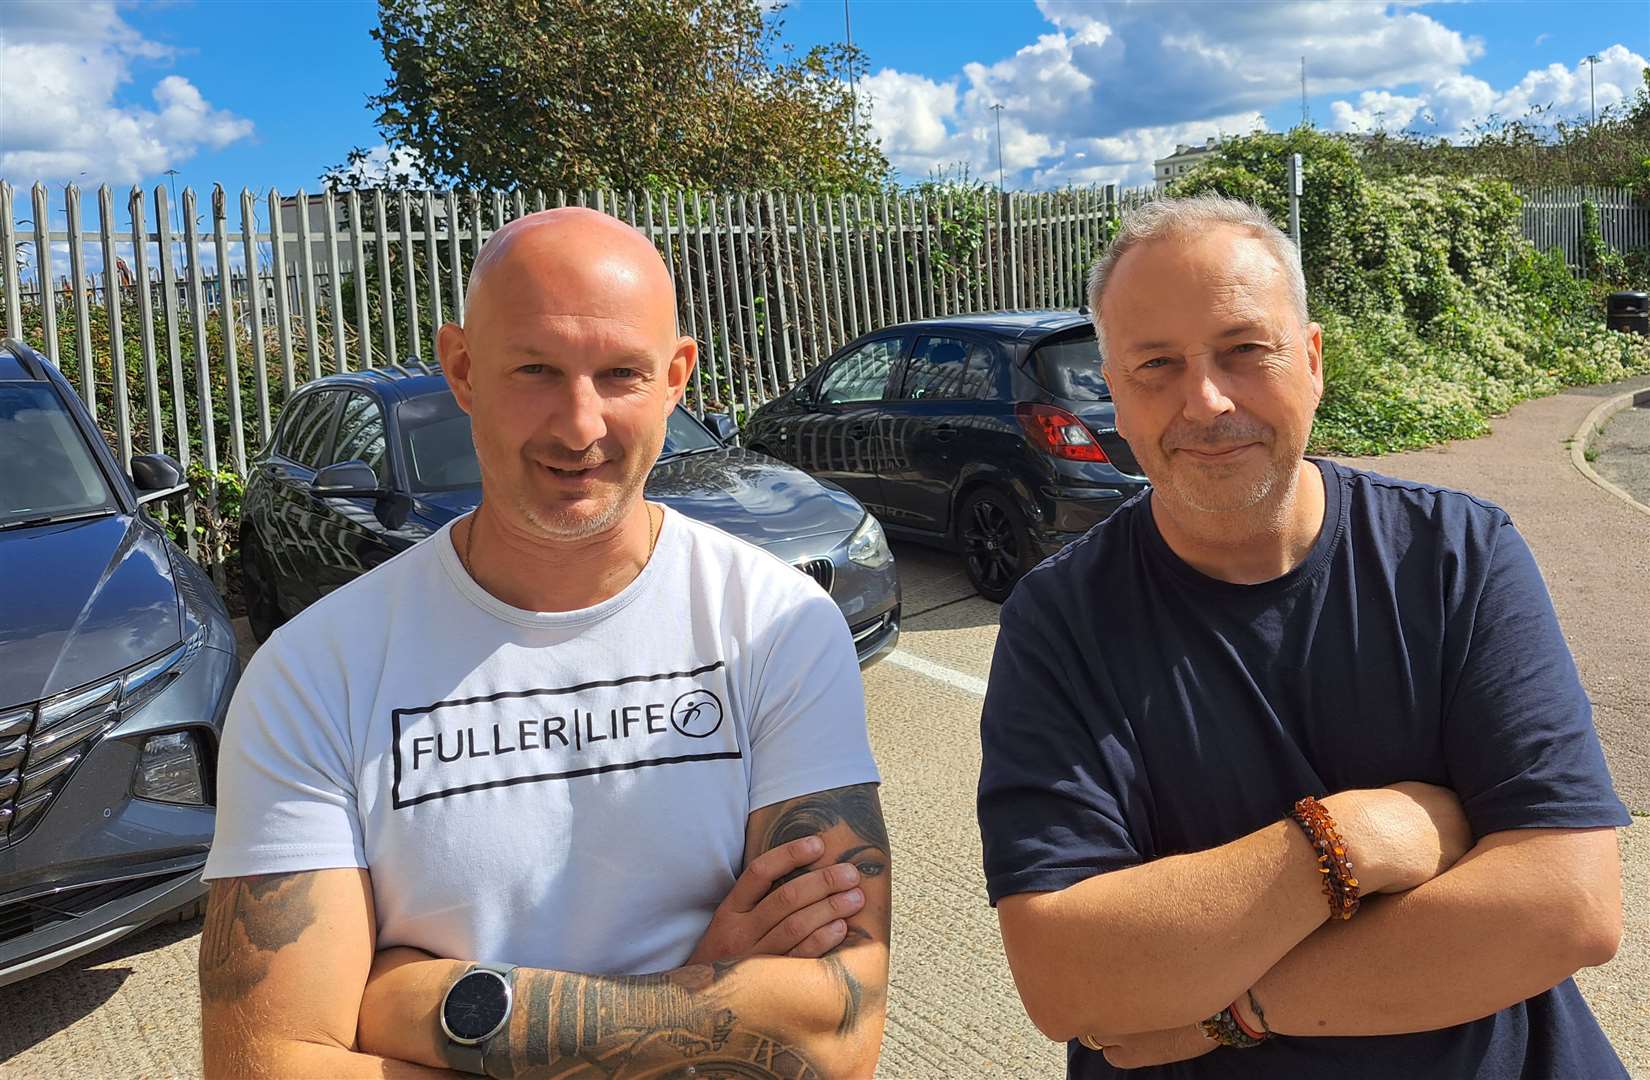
[197,323]
[146,321]
[335,284]
[8,252]
[117,342]
[283,299]
[433,258]
[386,291]
[255,297]
[43,270]
[226,314]
[82,319]
[358,254]
[750,298]
[306,292]
[455,250]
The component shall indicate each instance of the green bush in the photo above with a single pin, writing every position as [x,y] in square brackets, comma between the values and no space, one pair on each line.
[1437,313]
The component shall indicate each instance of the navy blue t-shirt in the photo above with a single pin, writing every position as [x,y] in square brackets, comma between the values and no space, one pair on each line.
[1138,708]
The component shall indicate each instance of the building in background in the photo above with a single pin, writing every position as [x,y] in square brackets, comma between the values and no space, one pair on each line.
[1184,158]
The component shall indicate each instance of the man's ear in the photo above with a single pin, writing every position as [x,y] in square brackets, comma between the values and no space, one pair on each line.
[1314,357]
[454,353]
[679,367]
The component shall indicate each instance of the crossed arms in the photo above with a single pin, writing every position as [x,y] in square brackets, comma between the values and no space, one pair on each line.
[1137,956]
[789,980]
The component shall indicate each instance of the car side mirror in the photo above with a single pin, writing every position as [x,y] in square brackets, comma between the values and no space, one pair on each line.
[725,426]
[347,480]
[157,476]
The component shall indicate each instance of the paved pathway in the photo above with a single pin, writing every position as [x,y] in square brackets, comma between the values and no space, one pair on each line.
[131,1010]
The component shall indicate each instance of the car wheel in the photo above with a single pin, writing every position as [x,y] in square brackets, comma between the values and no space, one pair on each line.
[996,542]
[263,614]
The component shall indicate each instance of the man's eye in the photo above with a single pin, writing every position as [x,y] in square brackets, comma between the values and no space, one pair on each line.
[531,369]
[1155,362]
[1246,347]
[626,372]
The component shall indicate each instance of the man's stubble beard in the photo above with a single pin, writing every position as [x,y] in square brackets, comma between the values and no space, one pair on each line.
[1260,495]
[563,527]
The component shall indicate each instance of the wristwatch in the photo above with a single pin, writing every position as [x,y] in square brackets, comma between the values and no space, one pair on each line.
[476,1008]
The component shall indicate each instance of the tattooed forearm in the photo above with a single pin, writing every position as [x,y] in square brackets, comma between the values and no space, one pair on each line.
[856,807]
[633,1027]
[853,995]
[248,920]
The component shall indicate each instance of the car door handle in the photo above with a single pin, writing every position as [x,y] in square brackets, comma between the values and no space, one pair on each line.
[945,433]
[857,431]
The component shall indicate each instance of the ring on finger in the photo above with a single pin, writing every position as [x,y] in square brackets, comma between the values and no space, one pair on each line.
[1092,1043]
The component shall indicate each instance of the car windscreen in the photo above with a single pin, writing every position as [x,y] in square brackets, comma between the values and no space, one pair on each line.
[1069,368]
[46,467]
[435,433]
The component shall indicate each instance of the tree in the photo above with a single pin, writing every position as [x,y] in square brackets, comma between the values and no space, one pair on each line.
[578,94]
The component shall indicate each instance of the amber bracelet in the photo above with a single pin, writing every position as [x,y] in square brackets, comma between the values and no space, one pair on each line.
[1338,883]
[1225,1028]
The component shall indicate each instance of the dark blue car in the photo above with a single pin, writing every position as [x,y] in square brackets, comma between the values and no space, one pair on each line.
[117,661]
[365,464]
[992,434]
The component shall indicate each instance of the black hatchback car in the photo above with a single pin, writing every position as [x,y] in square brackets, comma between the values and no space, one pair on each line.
[992,434]
[365,464]
[117,662]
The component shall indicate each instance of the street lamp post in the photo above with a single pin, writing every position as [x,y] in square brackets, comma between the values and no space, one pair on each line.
[1592,91]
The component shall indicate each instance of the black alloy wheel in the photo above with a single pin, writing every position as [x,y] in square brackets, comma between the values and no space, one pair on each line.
[996,543]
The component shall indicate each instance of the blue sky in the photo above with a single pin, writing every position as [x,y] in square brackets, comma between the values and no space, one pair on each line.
[263,94]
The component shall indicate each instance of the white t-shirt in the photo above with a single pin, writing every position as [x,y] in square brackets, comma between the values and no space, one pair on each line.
[562,790]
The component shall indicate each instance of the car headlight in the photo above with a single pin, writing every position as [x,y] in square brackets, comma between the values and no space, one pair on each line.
[869,547]
[169,770]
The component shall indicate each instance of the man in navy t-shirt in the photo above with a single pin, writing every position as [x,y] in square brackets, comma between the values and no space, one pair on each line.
[1258,628]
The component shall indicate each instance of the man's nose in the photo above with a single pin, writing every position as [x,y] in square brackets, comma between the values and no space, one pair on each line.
[1205,397]
[579,419]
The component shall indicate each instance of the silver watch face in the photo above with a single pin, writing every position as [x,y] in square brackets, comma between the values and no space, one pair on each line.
[476,1007]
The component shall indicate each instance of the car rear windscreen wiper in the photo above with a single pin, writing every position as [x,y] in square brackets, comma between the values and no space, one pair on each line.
[54,519]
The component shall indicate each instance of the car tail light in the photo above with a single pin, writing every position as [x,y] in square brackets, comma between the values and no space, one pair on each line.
[1055,431]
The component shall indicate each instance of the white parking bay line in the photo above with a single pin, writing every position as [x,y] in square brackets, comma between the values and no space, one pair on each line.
[967,683]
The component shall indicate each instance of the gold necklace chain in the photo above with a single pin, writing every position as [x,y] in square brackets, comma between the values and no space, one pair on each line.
[655,525]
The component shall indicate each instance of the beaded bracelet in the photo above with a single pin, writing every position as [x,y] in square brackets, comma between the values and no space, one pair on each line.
[1338,883]
[1225,1028]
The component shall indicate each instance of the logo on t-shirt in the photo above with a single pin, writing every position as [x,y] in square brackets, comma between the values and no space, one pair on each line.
[696,714]
[560,733]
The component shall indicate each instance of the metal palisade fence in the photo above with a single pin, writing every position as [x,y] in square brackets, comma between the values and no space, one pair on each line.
[187,340]
[1553,218]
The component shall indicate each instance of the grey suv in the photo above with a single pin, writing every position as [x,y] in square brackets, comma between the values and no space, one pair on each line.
[117,661]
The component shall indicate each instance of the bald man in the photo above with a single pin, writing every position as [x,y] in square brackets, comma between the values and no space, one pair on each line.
[578,786]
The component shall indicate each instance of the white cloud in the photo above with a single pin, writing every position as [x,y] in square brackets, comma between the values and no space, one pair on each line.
[1451,105]
[1114,85]
[62,122]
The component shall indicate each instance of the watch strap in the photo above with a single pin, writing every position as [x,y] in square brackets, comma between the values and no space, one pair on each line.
[471,1058]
